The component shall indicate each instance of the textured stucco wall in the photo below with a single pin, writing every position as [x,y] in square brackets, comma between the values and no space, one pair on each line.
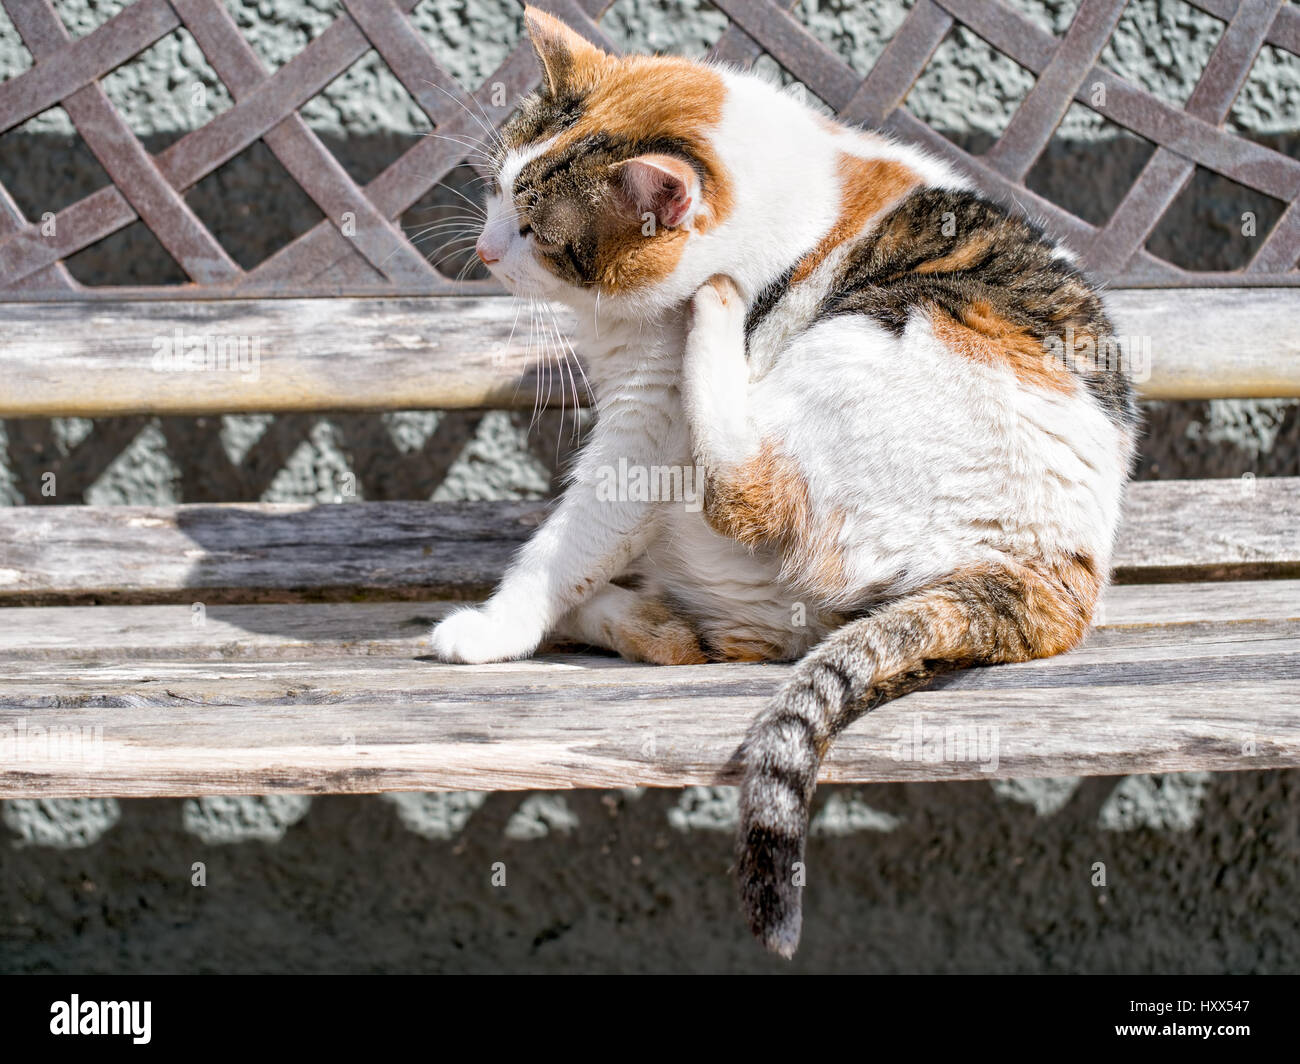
[1175,874]
[1200,871]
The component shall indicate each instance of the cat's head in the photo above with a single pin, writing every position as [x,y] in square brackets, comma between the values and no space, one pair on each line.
[608,177]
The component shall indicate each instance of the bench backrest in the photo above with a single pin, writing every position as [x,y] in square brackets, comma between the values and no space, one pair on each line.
[288,341]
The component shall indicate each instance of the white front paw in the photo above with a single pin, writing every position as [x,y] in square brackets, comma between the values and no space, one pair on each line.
[473,636]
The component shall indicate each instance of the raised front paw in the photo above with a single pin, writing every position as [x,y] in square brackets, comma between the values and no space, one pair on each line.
[473,636]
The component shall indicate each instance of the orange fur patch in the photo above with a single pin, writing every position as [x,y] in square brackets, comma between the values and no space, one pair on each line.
[1043,609]
[996,613]
[766,500]
[732,647]
[963,258]
[867,187]
[630,260]
[649,98]
[986,337]
[724,286]
[1061,606]
[655,634]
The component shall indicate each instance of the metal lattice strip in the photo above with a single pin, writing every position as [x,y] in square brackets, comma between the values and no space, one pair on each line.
[374,256]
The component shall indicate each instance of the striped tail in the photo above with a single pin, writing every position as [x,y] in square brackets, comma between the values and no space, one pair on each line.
[997,613]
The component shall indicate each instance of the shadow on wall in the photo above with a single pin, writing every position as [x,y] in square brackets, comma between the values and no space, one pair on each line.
[251,204]
[1097,875]
[288,457]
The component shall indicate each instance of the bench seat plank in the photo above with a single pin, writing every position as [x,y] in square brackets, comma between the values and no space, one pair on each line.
[1127,656]
[627,727]
[1176,678]
[265,552]
[359,629]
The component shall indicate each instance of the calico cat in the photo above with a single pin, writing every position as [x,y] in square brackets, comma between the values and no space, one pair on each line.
[913,458]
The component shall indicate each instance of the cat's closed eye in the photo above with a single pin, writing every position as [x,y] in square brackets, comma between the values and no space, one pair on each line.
[546,247]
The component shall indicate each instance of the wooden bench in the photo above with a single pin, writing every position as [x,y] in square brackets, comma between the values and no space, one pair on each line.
[245,649]
[250,648]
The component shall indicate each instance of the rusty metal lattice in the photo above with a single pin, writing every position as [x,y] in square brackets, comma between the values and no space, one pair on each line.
[375,257]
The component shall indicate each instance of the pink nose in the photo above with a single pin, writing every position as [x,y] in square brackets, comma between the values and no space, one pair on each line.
[486,253]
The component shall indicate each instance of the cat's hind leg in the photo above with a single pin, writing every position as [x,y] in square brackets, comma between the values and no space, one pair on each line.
[754,491]
[715,378]
[640,627]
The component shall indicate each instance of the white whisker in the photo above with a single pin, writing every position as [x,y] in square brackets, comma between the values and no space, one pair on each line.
[483,122]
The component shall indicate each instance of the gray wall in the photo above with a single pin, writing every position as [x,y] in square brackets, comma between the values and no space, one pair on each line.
[1200,871]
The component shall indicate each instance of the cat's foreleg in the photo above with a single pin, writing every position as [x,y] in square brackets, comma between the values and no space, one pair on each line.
[593,535]
[577,551]
[715,379]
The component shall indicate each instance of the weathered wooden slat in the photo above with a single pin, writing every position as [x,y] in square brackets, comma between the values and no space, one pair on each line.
[222,553]
[585,683]
[1110,657]
[283,355]
[82,359]
[299,631]
[176,729]
[1210,343]
[139,701]
[258,552]
[1210,530]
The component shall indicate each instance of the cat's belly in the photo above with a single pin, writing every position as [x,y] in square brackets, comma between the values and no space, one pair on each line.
[929,461]
[736,598]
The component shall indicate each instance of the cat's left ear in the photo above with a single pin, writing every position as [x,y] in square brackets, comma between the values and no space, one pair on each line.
[662,185]
[568,59]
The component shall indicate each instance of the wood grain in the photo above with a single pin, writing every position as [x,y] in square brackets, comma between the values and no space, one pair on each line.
[343,698]
[59,555]
[573,723]
[301,631]
[1109,657]
[258,552]
[1209,529]
[1212,343]
[85,359]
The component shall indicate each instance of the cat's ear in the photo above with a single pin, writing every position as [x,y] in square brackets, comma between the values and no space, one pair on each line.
[663,185]
[568,59]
